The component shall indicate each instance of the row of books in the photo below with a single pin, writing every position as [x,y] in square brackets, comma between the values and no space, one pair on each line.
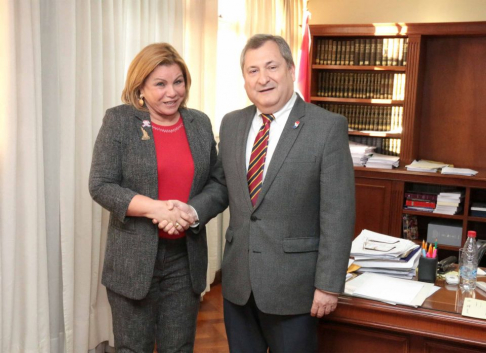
[444,203]
[362,52]
[361,85]
[450,202]
[386,146]
[424,202]
[369,118]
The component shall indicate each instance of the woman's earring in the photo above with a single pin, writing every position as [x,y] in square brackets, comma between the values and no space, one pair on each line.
[141,101]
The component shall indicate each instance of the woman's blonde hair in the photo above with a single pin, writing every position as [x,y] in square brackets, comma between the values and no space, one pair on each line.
[142,66]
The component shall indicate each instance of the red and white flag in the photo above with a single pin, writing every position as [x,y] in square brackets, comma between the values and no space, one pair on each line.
[303,81]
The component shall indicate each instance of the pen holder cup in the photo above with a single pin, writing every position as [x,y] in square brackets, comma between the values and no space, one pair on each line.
[427,270]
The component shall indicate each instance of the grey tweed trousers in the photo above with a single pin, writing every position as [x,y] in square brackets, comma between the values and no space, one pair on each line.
[167,315]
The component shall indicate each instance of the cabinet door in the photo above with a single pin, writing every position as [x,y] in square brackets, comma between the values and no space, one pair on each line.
[373,202]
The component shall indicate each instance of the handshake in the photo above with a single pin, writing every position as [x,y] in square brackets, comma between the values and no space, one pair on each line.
[173,216]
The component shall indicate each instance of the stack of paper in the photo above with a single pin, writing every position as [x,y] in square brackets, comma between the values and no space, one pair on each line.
[360,153]
[380,253]
[382,161]
[426,166]
[478,209]
[389,290]
[459,171]
[449,202]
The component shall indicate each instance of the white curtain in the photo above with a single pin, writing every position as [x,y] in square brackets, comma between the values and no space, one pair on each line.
[200,49]
[239,20]
[62,64]
[24,305]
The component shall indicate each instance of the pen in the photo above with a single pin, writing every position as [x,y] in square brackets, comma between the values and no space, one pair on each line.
[436,243]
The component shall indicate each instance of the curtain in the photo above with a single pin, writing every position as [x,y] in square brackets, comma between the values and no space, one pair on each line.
[200,48]
[239,20]
[24,305]
[62,64]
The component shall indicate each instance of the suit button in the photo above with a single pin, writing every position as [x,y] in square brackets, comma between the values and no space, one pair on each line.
[254,218]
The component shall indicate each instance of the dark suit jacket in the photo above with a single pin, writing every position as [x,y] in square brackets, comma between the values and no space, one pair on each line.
[298,235]
[123,166]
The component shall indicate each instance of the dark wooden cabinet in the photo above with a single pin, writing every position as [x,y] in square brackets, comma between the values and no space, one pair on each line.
[441,111]
[362,326]
[373,200]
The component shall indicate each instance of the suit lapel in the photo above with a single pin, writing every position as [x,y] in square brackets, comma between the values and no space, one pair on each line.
[147,151]
[242,133]
[285,143]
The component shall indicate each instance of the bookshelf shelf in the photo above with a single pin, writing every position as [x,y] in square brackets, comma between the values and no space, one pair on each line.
[359,68]
[433,215]
[357,100]
[375,134]
[477,219]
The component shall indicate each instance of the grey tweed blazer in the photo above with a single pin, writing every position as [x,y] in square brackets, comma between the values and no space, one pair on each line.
[298,235]
[123,166]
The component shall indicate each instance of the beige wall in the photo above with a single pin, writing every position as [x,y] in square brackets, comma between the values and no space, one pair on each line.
[378,11]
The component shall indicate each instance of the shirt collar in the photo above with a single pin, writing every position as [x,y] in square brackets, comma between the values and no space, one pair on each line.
[285,109]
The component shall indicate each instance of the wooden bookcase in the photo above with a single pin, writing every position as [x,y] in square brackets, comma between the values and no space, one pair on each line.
[443,109]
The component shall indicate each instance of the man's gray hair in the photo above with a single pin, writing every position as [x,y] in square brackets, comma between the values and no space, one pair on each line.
[259,40]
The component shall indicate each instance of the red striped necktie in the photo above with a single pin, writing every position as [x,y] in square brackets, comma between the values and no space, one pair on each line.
[257,158]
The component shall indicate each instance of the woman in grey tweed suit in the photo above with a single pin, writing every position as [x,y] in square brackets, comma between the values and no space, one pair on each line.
[153,281]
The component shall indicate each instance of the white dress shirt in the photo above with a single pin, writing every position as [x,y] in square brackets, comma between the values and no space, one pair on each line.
[276,128]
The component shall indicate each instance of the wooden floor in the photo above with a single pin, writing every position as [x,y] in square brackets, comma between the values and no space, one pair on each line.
[210,333]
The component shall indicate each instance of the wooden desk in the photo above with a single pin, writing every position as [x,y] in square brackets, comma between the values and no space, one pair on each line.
[361,325]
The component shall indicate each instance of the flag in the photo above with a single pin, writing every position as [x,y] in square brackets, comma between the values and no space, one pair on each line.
[303,81]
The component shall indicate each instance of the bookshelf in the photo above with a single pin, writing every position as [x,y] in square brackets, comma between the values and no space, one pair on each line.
[436,111]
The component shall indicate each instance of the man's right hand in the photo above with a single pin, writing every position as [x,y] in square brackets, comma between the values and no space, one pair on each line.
[187,213]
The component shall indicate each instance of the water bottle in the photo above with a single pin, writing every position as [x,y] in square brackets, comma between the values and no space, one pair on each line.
[469,263]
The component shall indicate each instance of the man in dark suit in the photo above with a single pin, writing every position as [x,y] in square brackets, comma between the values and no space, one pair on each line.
[285,169]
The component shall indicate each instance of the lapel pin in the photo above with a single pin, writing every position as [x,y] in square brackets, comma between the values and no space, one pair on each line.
[296,124]
[145,136]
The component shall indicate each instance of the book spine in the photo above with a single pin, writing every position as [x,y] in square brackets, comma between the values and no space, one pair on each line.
[362,46]
[405,52]
[416,203]
[420,197]
[384,56]
[351,53]
[379,52]
[348,51]
[357,46]
[400,52]
[373,52]
[367,52]
[391,43]
[333,53]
